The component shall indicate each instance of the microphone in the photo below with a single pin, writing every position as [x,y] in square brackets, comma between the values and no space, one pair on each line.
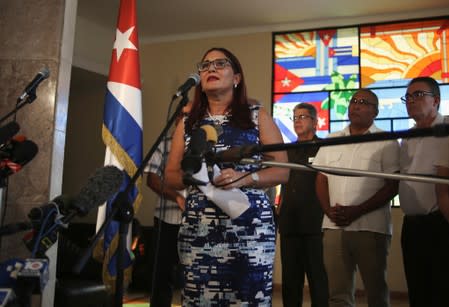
[15,155]
[193,80]
[31,87]
[8,131]
[100,187]
[61,203]
[200,145]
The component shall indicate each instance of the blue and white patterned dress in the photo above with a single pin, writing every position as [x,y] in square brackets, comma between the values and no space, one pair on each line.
[228,262]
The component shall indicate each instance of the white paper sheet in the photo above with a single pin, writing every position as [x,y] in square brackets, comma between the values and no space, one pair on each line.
[233,202]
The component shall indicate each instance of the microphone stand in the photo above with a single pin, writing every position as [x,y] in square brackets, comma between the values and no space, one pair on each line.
[123,212]
[20,104]
[349,171]
[439,130]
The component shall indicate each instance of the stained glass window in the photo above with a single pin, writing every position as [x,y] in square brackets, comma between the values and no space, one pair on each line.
[326,66]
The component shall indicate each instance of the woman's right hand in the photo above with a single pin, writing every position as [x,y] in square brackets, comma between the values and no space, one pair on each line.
[230,179]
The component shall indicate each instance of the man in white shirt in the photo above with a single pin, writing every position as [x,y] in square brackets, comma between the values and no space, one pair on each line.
[425,230]
[357,222]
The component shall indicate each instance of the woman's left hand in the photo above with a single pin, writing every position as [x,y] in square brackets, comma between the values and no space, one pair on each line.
[229,179]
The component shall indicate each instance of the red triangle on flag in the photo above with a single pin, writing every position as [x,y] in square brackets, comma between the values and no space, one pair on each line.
[326,36]
[285,81]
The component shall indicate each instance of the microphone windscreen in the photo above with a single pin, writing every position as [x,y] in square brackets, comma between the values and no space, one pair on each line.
[24,152]
[100,187]
[211,133]
[8,131]
[198,141]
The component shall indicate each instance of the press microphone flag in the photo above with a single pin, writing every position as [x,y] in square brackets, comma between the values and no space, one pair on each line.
[33,276]
[30,89]
[193,80]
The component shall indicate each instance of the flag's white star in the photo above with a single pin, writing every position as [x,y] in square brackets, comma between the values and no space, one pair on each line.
[321,122]
[286,82]
[122,41]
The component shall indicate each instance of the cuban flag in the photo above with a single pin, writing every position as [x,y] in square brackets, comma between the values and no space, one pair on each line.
[122,132]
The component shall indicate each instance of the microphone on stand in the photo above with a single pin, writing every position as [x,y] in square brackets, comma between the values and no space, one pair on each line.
[212,133]
[30,89]
[14,155]
[201,143]
[193,80]
[100,187]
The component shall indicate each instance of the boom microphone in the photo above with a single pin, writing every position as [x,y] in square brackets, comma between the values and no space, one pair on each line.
[100,187]
[193,80]
[31,87]
[46,219]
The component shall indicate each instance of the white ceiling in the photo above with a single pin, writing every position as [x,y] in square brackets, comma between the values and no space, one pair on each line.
[159,19]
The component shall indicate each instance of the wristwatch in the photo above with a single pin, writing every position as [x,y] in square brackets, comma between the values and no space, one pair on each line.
[255,178]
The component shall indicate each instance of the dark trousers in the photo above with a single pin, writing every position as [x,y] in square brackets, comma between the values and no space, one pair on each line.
[164,248]
[425,251]
[303,255]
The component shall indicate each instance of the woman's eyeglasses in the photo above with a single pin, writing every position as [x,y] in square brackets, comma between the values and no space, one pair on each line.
[218,64]
[407,98]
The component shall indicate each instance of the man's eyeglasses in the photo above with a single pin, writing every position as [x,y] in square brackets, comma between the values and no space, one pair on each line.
[416,96]
[218,64]
[301,117]
[361,101]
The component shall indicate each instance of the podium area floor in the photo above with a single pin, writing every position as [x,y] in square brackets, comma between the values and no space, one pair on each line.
[141,300]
